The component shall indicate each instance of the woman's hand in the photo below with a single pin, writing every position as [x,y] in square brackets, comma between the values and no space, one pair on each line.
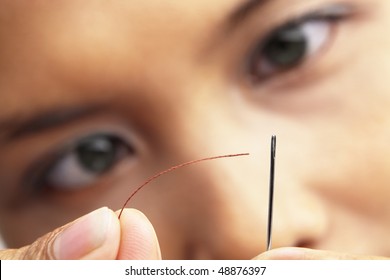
[292,253]
[97,235]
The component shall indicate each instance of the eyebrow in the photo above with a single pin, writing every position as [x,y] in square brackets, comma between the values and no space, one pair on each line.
[244,10]
[18,127]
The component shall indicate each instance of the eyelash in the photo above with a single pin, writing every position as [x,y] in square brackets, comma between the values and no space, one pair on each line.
[330,14]
[42,177]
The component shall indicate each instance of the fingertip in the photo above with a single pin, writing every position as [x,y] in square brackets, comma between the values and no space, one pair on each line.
[138,237]
[297,253]
[287,253]
[93,236]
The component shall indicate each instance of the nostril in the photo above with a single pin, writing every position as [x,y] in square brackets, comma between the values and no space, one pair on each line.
[306,243]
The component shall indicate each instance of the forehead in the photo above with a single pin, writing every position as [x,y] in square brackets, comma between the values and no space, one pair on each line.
[96,34]
[96,21]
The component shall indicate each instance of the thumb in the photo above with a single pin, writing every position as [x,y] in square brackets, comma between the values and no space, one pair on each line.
[93,236]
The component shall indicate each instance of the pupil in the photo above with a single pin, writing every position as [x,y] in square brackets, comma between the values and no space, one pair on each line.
[287,47]
[97,154]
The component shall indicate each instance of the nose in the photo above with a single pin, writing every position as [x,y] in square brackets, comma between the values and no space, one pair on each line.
[300,218]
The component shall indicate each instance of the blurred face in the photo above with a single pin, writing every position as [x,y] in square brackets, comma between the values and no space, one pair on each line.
[97,96]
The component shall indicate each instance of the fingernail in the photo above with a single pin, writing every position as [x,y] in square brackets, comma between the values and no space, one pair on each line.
[83,236]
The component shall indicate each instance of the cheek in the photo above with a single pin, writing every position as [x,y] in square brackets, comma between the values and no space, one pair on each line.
[342,151]
[348,160]
[358,177]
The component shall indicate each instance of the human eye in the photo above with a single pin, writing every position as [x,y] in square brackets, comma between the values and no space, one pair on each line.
[296,42]
[81,164]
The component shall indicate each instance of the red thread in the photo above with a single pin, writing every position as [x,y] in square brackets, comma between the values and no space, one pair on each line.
[172,169]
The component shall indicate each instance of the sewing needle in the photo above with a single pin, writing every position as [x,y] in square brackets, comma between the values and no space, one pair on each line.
[271,191]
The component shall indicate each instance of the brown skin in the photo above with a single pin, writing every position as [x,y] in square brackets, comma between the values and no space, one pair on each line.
[169,78]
